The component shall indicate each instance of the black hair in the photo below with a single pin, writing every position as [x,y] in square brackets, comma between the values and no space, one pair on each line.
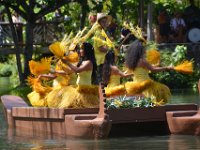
[133,54]
[109,60]
[126,32]
[89,55]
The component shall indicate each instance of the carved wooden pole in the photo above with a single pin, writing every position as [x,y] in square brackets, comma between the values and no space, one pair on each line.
[102,104]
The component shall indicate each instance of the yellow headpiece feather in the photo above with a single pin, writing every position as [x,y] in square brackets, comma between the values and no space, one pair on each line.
[77,39]
[136,31]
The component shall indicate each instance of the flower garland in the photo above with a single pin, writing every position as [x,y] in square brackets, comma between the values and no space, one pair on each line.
[130,102]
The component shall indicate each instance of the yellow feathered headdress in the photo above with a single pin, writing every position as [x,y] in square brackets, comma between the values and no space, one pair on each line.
[77,39]
[60,48]
[136,31]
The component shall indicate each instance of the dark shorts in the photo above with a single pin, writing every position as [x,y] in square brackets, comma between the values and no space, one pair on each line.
[164,29]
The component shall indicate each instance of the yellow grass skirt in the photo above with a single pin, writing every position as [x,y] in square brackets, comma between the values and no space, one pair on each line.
[149,88]
[134,88]
[55,97]
[115,91]
[36,99]
[83,96]
[159,92]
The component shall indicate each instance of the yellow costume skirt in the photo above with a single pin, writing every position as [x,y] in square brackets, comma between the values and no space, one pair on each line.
[36,99]
[159,92]
[55,97]
[149,88]
[83,96]
[134,88]
[115,91]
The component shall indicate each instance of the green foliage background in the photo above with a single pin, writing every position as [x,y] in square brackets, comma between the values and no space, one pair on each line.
[121,10]
[173,79]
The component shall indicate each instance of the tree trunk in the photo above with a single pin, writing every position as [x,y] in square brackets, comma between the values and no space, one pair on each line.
[141,14]
[84,10]
[29,47]
[16,40]
[149,22]
[83,17]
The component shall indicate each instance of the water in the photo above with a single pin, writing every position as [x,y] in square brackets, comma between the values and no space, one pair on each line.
[172,142]
[167,142]
[184,96]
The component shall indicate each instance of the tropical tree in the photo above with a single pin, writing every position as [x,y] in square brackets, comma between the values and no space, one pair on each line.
[31,11]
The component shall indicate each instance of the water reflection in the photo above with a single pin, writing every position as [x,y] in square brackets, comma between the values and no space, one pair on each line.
[169,142]
[184,96]
[184,142]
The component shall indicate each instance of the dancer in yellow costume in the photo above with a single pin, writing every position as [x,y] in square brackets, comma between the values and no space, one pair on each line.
[40,86]
[85,95]
[142,83]
[112,75]
[100,47]
[65,77]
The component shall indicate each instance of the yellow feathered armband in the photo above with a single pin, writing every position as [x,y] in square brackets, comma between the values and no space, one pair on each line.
[72,57]
[42,67]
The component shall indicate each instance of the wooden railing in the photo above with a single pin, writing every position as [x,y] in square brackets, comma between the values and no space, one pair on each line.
[48,32]
[44,33]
